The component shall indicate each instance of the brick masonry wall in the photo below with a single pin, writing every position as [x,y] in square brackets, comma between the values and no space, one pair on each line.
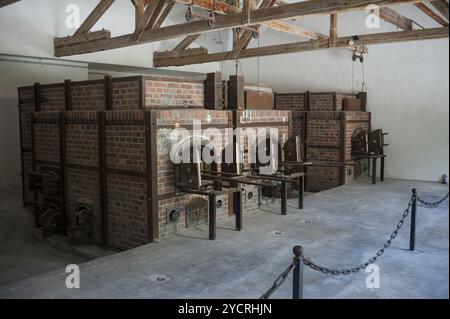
[25,111]
[297,124]
[127,211]
[83,184]
[46,137]
[341,97]
[257,121]
[125,145]
[126,191]
[83,187]
[166,121]
[355,120]
[322,102]
[82,144]
[290,101]
[322,178]
[55,96]
[318,101]
[324,129]
[127,94]
[323,145]
[88,96]
[170,92]
[27,162]
[128,223]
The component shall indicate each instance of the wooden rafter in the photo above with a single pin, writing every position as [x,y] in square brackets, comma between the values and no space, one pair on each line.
[441,6]
[139,7]
[186,42]
[246,37]
[232,20]
[216,6]
[294,29]
[168,6]
[181,53]
[90,36]
[4,3]
[150,11]
[343,42]
[223,8]
[155,16]
[395,18]
[95,15]
[249,5]
[428,11]
[333,30]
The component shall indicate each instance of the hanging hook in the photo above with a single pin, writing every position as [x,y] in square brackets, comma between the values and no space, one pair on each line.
[358,56]
[189,13]
[211,19]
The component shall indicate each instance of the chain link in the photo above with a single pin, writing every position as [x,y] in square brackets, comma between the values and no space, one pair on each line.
[279,281]
[372,260]
[339,272]
[431,205]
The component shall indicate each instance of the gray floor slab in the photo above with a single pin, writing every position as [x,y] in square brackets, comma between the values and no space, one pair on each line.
[21,256]
[338,228]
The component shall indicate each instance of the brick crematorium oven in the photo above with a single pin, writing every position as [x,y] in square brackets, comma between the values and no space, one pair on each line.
[96,163]
[335,128]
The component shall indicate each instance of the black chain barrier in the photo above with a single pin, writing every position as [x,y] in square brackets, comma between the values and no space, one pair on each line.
[372,260]
[431,205]
[278,282]
[300,260]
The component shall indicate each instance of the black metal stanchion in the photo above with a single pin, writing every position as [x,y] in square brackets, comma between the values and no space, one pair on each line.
[412,236]
[374,170]
[212,217]
[301,191]
[237,202]
[297,286]
[284,197]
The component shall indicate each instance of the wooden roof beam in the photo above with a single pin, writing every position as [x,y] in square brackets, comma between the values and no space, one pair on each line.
[232,20]
[4,3]
[216,6]
[169,4]
[95,15]
[159,9]
[244,40]
[343,42]
[294,29]
[150,11]
[333,30]
[395,18]
[138,11]
[441,6]
[186,42]
[425,9]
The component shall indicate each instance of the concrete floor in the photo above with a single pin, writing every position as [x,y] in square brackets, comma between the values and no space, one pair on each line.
[338,228]
[21,256]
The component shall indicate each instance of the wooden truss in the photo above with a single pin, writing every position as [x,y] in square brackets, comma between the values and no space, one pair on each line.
[245,23]
[4,3]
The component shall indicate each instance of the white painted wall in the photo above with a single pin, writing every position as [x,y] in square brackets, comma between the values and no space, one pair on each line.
[407,83]
[27,28]
[15,72]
